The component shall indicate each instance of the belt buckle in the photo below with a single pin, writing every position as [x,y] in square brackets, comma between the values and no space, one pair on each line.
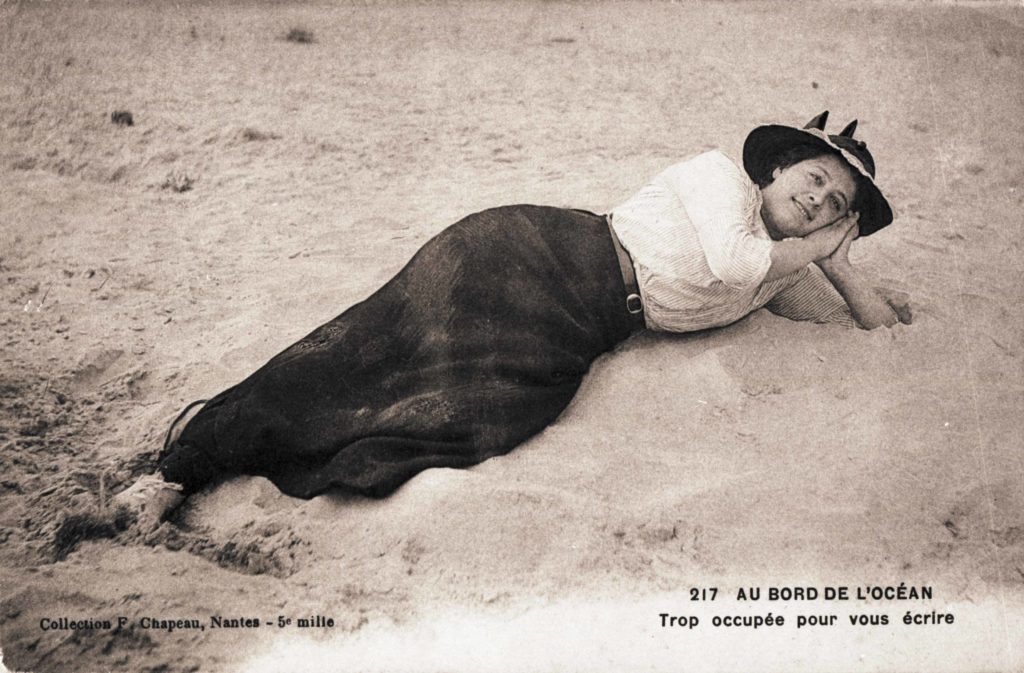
[634,305]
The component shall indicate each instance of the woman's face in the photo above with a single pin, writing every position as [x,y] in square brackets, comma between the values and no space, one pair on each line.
[807,196]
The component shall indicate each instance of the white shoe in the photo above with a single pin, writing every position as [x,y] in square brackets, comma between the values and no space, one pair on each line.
[150,499]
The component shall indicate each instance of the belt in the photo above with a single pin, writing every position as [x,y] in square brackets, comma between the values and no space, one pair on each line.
[634,305]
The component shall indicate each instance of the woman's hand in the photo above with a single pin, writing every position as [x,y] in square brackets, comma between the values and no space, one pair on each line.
[794,254]
[831,238]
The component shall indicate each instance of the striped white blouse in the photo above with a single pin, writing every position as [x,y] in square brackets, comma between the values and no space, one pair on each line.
[701,252]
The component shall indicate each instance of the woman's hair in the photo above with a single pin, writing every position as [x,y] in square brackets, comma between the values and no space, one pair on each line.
[803,152]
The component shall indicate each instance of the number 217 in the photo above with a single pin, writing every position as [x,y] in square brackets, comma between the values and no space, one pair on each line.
[703,594]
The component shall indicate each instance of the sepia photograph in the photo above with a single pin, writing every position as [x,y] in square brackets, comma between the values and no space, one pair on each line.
[413,336]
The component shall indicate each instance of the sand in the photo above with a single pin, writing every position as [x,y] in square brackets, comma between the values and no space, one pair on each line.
[267,184]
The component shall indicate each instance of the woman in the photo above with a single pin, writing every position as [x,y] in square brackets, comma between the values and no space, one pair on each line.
[484,337]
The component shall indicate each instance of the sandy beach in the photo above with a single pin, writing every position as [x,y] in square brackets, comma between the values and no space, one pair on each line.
[266,184]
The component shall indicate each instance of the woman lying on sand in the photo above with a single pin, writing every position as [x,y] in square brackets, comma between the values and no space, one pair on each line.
[483,338]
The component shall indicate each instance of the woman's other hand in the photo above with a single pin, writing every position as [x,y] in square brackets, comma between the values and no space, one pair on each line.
[899,302]
[871,307]
[839,263]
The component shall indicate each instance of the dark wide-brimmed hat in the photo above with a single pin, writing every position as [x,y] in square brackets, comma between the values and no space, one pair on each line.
[766,143]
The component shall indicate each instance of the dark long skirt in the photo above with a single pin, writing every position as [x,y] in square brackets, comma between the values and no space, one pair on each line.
[477,344]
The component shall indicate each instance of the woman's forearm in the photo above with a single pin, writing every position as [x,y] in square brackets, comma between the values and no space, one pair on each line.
[869,309]
[791,255]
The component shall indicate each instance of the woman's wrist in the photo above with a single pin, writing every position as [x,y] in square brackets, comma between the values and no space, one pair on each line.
[835,267]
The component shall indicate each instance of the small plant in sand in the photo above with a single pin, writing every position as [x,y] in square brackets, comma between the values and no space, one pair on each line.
[178,181]
[299,36]
[122,118]
[78,527]
[249,134]
[104,521]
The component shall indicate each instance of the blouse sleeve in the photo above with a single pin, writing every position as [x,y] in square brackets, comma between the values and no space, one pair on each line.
[720,201]
[811,297]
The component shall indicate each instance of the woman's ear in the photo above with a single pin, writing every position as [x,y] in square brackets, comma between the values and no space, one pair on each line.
[776,172]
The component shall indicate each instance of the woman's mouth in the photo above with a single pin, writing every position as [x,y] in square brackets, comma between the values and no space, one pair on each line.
[802,210]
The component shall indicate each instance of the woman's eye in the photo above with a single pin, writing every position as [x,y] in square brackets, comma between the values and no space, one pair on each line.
[817,179]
